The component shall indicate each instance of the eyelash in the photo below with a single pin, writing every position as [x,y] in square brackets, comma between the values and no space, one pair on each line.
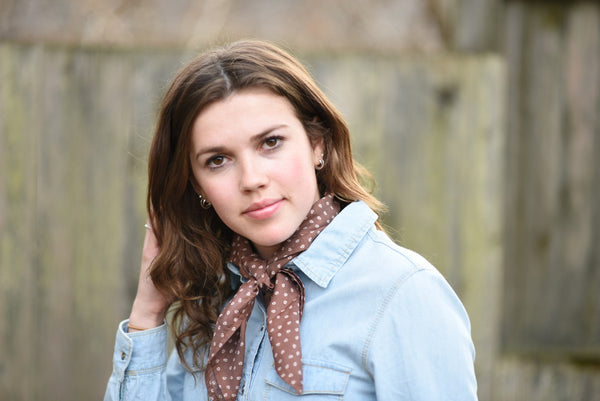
[273,138]
[210,161]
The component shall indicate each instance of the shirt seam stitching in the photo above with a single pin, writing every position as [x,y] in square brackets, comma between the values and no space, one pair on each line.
[381,311]
[139,372]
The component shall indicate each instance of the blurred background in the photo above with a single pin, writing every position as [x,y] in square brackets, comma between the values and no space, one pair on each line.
[478,118]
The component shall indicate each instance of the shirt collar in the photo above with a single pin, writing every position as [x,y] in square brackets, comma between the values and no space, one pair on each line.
[332,247]
[330,250]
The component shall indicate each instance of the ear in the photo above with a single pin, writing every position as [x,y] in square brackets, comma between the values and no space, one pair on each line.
[318,146]
[196,186]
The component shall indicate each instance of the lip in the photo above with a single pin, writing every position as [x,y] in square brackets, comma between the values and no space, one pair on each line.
[263,209]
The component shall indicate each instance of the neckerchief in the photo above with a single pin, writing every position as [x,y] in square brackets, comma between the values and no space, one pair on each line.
[283,291]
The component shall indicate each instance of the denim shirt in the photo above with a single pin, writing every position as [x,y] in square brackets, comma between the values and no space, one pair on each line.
[379,323]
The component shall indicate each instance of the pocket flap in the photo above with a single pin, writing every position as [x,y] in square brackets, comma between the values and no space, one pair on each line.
[318,377]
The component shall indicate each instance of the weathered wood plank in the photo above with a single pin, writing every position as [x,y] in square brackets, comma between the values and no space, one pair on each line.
[551,281]
[526,379]
[581,199]
[82,162]
[75,128]
[478,23]
[382,25]
[19,313]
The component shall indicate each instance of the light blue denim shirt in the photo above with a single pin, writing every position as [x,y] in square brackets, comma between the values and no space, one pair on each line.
[379,323]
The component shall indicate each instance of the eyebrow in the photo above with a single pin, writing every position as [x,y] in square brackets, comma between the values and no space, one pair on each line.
[255,138]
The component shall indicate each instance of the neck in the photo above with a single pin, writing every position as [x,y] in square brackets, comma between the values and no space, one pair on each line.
[265,252]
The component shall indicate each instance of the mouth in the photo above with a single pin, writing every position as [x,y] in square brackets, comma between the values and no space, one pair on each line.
[263,209]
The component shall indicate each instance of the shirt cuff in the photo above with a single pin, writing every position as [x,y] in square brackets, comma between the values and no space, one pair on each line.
[140,352]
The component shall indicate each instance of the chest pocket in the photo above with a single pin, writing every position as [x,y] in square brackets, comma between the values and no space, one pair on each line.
[321,381]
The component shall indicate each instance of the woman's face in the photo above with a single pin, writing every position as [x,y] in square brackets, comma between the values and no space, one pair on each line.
[253,160]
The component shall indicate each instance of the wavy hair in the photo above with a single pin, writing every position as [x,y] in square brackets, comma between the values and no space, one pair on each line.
[194,243]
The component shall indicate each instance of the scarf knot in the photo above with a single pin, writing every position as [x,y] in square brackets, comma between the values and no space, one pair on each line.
[283,292]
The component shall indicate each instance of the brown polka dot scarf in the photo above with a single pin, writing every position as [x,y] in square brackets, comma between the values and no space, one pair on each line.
[282,290]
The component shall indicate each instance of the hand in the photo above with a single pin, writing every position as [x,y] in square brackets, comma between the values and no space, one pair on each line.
[149,306]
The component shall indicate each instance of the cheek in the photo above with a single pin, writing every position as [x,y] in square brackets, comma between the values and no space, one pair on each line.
[216,191]
[294,168]
[223,199]
[212,188]
[295,171]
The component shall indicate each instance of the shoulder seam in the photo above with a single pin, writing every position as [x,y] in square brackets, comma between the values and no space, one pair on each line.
[381,311]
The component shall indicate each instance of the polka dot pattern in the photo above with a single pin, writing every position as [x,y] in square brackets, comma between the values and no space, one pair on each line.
[284,293]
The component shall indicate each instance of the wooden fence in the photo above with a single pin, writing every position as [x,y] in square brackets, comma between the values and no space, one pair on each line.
[487,157]
[550,339]
[75,125]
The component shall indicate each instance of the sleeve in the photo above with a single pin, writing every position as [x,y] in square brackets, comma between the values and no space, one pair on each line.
[139,366]
[422,348]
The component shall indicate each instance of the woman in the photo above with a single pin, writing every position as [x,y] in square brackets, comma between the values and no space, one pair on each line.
[267,250]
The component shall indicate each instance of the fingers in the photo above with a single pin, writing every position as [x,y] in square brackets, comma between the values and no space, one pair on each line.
[149,305]
[150,249]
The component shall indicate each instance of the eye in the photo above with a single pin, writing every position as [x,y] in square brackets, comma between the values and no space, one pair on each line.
[272,142]
[215,161]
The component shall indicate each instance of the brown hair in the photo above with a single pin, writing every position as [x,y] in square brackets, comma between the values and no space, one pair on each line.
[194,243]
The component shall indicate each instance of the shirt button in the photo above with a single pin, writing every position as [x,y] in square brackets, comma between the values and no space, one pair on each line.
[123,356]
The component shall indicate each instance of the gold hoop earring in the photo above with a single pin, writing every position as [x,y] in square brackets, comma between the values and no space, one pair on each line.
[204,203]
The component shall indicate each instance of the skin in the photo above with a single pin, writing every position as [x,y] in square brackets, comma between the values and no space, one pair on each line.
[149,306]
[252,159]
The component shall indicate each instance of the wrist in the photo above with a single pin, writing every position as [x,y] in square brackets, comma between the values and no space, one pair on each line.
[143,319]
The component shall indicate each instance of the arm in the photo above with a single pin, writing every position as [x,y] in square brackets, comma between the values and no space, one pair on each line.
[149,307]
[139,357]
[422,348]
[139,365]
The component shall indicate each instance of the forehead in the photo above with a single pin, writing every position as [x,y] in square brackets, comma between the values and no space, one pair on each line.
[245,112]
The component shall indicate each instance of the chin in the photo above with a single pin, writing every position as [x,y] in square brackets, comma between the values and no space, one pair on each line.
[268,243]
[271,239]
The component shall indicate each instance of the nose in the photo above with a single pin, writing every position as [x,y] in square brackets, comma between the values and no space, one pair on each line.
[253,174]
